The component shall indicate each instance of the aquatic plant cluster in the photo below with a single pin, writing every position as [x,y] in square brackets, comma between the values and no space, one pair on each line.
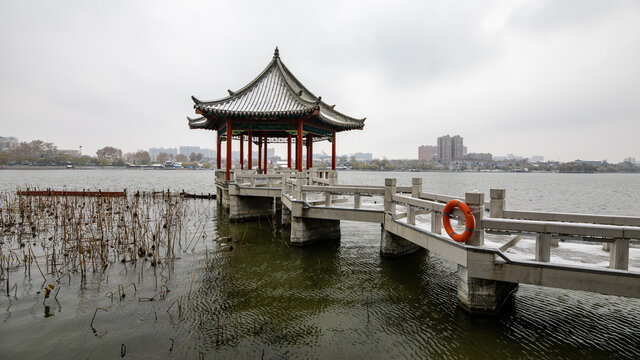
[56,236]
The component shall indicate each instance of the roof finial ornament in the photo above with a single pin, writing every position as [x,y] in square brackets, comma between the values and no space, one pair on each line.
[319,99]
[276,53]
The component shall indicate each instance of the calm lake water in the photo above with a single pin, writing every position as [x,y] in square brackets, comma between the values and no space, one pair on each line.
[338,300]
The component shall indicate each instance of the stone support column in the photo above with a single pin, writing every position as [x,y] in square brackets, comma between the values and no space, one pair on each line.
[480,296]
[306,231]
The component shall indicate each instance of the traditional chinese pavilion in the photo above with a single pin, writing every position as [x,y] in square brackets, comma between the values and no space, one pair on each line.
[273,108]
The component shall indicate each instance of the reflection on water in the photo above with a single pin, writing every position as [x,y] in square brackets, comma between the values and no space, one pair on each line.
[245,293]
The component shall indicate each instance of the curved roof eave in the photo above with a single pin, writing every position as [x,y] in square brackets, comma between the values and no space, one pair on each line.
[288,91]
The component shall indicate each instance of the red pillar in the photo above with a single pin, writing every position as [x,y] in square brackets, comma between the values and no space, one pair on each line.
[299,147]
[259,154]
[250,150]
[218,152]
[309,151]
[265,153]
[333,151]
[241,151]
[228,150]
[289,151]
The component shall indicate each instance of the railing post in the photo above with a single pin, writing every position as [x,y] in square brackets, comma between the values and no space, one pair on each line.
[497,203]
[416,187]
[333,177]
[327,198]
[475,200]
[389,191]
[411,215]
[253,181]
[619,255]
[356,201]
[436,222]
[543,247]
[299,181]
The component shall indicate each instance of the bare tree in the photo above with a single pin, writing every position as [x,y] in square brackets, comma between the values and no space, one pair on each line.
[109,152]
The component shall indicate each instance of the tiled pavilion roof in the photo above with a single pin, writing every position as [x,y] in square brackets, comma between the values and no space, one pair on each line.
[272,95]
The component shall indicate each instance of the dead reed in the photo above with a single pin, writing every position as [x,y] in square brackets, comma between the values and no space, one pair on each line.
[64,235]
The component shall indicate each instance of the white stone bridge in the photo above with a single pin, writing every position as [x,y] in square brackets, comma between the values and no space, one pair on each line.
[507,247]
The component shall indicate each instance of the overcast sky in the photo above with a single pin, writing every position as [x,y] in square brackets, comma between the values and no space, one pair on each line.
[553,78]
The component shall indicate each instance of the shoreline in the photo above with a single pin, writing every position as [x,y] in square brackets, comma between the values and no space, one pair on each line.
[46,167]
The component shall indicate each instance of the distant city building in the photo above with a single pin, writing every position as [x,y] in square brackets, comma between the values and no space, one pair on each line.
[450,148]
[153,152]
[187,150]
[8,143]
[364,157]
[630,160]
[478,157]
[457,149]
[537,158]
[464,150]
[427,152]
[207,153]
[444,148]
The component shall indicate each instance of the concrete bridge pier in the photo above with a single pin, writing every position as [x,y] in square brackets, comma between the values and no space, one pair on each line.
[305,231]
[481,296]
[392,245]
[222,196]
[248,207]
[285,218]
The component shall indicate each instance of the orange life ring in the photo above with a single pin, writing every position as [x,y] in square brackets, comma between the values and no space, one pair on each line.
[468,217]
